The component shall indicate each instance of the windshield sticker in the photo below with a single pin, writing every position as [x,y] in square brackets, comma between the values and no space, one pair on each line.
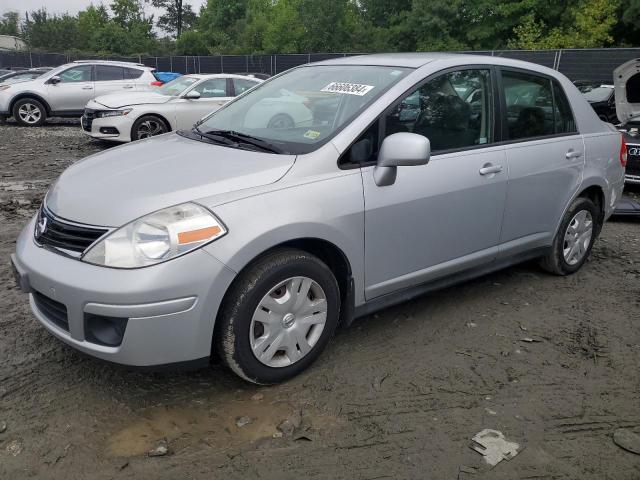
[311,134]
[348,88]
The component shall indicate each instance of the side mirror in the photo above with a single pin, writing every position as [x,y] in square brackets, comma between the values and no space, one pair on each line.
[54,80]
[400,150]
[192,95]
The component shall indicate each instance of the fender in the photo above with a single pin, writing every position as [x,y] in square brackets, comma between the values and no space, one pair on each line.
[29,94]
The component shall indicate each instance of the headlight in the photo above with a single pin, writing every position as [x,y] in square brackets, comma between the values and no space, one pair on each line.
[157,237]
[113,113]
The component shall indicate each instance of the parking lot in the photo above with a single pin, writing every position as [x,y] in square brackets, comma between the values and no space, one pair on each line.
[552,362]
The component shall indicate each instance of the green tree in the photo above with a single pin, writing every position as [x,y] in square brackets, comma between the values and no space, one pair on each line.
[191,42]
[90,23]
[9,24]
[178,16]
[50,32]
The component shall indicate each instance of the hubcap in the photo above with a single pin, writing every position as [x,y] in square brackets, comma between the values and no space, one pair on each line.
[577,238]
[29,113]
[288,322]
[150,128]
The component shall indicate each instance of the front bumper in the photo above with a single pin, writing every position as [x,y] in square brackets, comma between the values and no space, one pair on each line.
[171,307]
[118,128]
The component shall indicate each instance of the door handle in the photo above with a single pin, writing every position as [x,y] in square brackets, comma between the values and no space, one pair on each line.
[488,169]
[128,86]
[571,154]
[87,88]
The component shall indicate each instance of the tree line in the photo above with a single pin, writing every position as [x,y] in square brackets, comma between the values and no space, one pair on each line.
[122,27]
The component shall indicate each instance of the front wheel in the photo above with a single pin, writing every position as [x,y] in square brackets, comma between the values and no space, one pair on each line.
[29,112]
[574,239]
[148,126]
[278,316]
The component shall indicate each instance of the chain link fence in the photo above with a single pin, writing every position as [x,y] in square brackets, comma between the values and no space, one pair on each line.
[578,64]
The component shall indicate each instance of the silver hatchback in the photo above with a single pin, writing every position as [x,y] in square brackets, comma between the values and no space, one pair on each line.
[376,179]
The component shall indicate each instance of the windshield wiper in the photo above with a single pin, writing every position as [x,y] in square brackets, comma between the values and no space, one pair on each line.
[248,139]
[212,137]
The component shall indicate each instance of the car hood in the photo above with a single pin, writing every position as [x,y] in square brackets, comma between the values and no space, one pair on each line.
[117,100]
[627,107]
[123,183]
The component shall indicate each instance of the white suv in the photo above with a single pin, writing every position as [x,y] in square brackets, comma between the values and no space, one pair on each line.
[65,90]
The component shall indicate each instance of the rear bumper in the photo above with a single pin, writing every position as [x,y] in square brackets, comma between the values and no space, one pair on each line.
[170,308]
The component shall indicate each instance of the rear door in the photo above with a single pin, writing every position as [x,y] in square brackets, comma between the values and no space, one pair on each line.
[545,154]
[110,79]
[214,93]
[74,90]
[137,78]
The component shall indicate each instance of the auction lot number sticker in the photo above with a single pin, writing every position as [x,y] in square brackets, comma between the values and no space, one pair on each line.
[348,88]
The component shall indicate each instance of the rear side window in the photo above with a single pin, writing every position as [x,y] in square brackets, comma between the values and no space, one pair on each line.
[536,106]
[107,72]
[132,73]
[241,85]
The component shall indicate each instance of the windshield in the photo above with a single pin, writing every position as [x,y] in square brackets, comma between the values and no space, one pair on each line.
[177,86]
[598,94]
[305,107]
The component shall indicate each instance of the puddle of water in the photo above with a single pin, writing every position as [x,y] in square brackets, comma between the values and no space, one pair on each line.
[214,426]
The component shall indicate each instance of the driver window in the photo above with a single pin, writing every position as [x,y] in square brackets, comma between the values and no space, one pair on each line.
[453,111]
[216,87]
[81,73]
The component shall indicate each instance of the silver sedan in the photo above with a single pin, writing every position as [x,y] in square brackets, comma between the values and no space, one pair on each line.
[410,172]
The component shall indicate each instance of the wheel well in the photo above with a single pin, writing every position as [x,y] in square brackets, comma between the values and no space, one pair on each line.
[596,195]
[326,251]
[157,115]
[29,95]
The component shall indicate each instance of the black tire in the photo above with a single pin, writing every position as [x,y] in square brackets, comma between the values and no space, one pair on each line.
[554,262]
[144,127]
[232,336]
[36,118]
[281,121]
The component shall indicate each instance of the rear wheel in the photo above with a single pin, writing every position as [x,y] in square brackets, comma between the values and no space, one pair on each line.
[148,126]
[574,239]
[278,316]
[29,112]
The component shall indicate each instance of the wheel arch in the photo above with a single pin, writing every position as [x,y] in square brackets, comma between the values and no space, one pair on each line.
[35,96]
[328,252]
[152,114]
[595,193]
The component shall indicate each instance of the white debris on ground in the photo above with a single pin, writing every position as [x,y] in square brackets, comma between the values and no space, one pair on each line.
[494,447]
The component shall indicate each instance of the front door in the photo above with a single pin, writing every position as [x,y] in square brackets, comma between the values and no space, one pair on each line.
[213,94]
[445,216]
[73,91]
[545,155]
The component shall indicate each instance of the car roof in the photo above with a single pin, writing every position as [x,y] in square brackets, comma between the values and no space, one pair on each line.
[220,75]
[114,62]
[419,59]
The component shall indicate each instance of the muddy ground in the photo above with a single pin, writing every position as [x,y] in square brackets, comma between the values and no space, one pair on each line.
[398,395]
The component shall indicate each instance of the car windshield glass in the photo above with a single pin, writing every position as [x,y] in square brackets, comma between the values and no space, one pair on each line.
[599,94]
[302,109]
[177,86]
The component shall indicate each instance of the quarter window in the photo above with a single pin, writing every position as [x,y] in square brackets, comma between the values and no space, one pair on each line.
[453,110]
[216,87]
[106,73]
[536,106]
[81,73]
[132,73]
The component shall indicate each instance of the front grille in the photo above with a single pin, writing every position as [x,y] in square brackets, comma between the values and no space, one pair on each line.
[55,312]
[50,231]
[87,119]
[633,160]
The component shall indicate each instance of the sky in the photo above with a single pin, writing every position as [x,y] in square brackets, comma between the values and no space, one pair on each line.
[71,6]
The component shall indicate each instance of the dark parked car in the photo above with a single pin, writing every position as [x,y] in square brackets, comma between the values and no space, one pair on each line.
[601,98]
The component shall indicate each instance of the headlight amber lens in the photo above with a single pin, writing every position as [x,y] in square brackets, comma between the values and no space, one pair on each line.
[157,237]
